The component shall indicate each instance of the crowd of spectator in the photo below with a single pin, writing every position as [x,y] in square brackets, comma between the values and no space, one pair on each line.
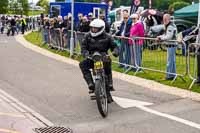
[11,24]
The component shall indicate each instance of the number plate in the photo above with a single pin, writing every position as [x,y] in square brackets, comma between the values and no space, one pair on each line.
[98,65]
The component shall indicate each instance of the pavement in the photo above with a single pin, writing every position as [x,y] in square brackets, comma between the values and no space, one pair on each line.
[14,118]
[39,89]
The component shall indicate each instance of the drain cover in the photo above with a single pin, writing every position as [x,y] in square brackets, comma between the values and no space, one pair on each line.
[53,130]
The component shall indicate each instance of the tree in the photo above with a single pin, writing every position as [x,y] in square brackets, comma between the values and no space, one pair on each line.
[14,6]
[178,5]
[24,6]
[188,1]
[44,4]
[4,6]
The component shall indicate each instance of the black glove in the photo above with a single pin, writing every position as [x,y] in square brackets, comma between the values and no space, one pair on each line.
[115,52]
[86,54]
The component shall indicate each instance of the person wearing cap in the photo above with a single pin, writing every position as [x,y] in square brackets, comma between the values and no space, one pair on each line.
[169,34]
[90,16]
[137,30]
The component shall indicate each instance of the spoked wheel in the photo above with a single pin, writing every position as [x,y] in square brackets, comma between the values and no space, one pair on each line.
[101,97]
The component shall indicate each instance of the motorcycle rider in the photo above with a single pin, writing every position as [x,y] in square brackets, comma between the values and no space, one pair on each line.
[97,40]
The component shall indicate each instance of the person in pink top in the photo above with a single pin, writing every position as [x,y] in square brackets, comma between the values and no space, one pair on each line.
[137,30]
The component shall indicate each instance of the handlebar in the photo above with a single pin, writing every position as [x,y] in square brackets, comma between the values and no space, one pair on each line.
[90,56]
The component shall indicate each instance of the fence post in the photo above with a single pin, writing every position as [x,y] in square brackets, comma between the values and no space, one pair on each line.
[72,30]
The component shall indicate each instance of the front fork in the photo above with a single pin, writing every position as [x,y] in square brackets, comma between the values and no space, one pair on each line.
[101,76]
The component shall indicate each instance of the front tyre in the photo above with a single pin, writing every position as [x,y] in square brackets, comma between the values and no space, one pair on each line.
[101,97]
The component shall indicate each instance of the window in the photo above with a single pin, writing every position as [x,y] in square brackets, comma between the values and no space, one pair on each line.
[55,11]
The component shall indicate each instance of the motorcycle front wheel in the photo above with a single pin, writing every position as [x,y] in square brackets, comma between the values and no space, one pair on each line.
[101,97]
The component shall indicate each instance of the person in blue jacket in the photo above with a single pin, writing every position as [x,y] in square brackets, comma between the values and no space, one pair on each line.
[124,31]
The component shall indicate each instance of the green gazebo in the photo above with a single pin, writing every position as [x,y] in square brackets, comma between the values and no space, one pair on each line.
[188,11]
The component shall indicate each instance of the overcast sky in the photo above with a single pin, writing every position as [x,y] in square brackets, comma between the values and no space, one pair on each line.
[35,1]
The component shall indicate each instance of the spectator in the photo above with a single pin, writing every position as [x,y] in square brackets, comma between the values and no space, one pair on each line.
[46,30]
[51,27]
[185,36]
[13,25]
[170,34]
[18,25]
[69,22]
[64,31]
[3,22]
[23,25]
[90,17]
[84,26]
[136,30]
[80,18]
[107,28]
[124,31]
[58,27]
[8,25]
[59,22]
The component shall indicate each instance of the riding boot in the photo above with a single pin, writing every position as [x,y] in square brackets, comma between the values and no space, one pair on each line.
[110,82]
[109,96]
[89,80]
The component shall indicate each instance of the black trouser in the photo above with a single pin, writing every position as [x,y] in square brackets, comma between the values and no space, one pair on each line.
[87,64]
[2,29]
[13,28]
[23,29]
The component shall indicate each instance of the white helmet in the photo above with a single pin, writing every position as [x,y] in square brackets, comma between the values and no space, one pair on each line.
[97,23]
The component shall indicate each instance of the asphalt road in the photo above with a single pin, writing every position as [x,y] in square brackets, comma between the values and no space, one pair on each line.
[58,92]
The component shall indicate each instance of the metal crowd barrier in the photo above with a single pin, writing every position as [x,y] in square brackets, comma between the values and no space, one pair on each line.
[141,53]
[125,60]
[79,37]
[60,39]
[193,53]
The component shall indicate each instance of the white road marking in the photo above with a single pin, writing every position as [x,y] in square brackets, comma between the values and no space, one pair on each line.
[12,115]
[7,131]
[171,117]
[127,103]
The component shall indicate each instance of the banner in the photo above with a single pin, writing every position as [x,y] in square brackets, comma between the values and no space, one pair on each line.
[134,6]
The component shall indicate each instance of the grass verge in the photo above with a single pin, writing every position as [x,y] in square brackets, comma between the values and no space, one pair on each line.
[36,38]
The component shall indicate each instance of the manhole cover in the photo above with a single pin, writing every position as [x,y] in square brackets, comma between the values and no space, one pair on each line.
[53,130]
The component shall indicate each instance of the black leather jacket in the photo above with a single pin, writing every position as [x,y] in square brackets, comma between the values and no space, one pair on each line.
[101,43]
